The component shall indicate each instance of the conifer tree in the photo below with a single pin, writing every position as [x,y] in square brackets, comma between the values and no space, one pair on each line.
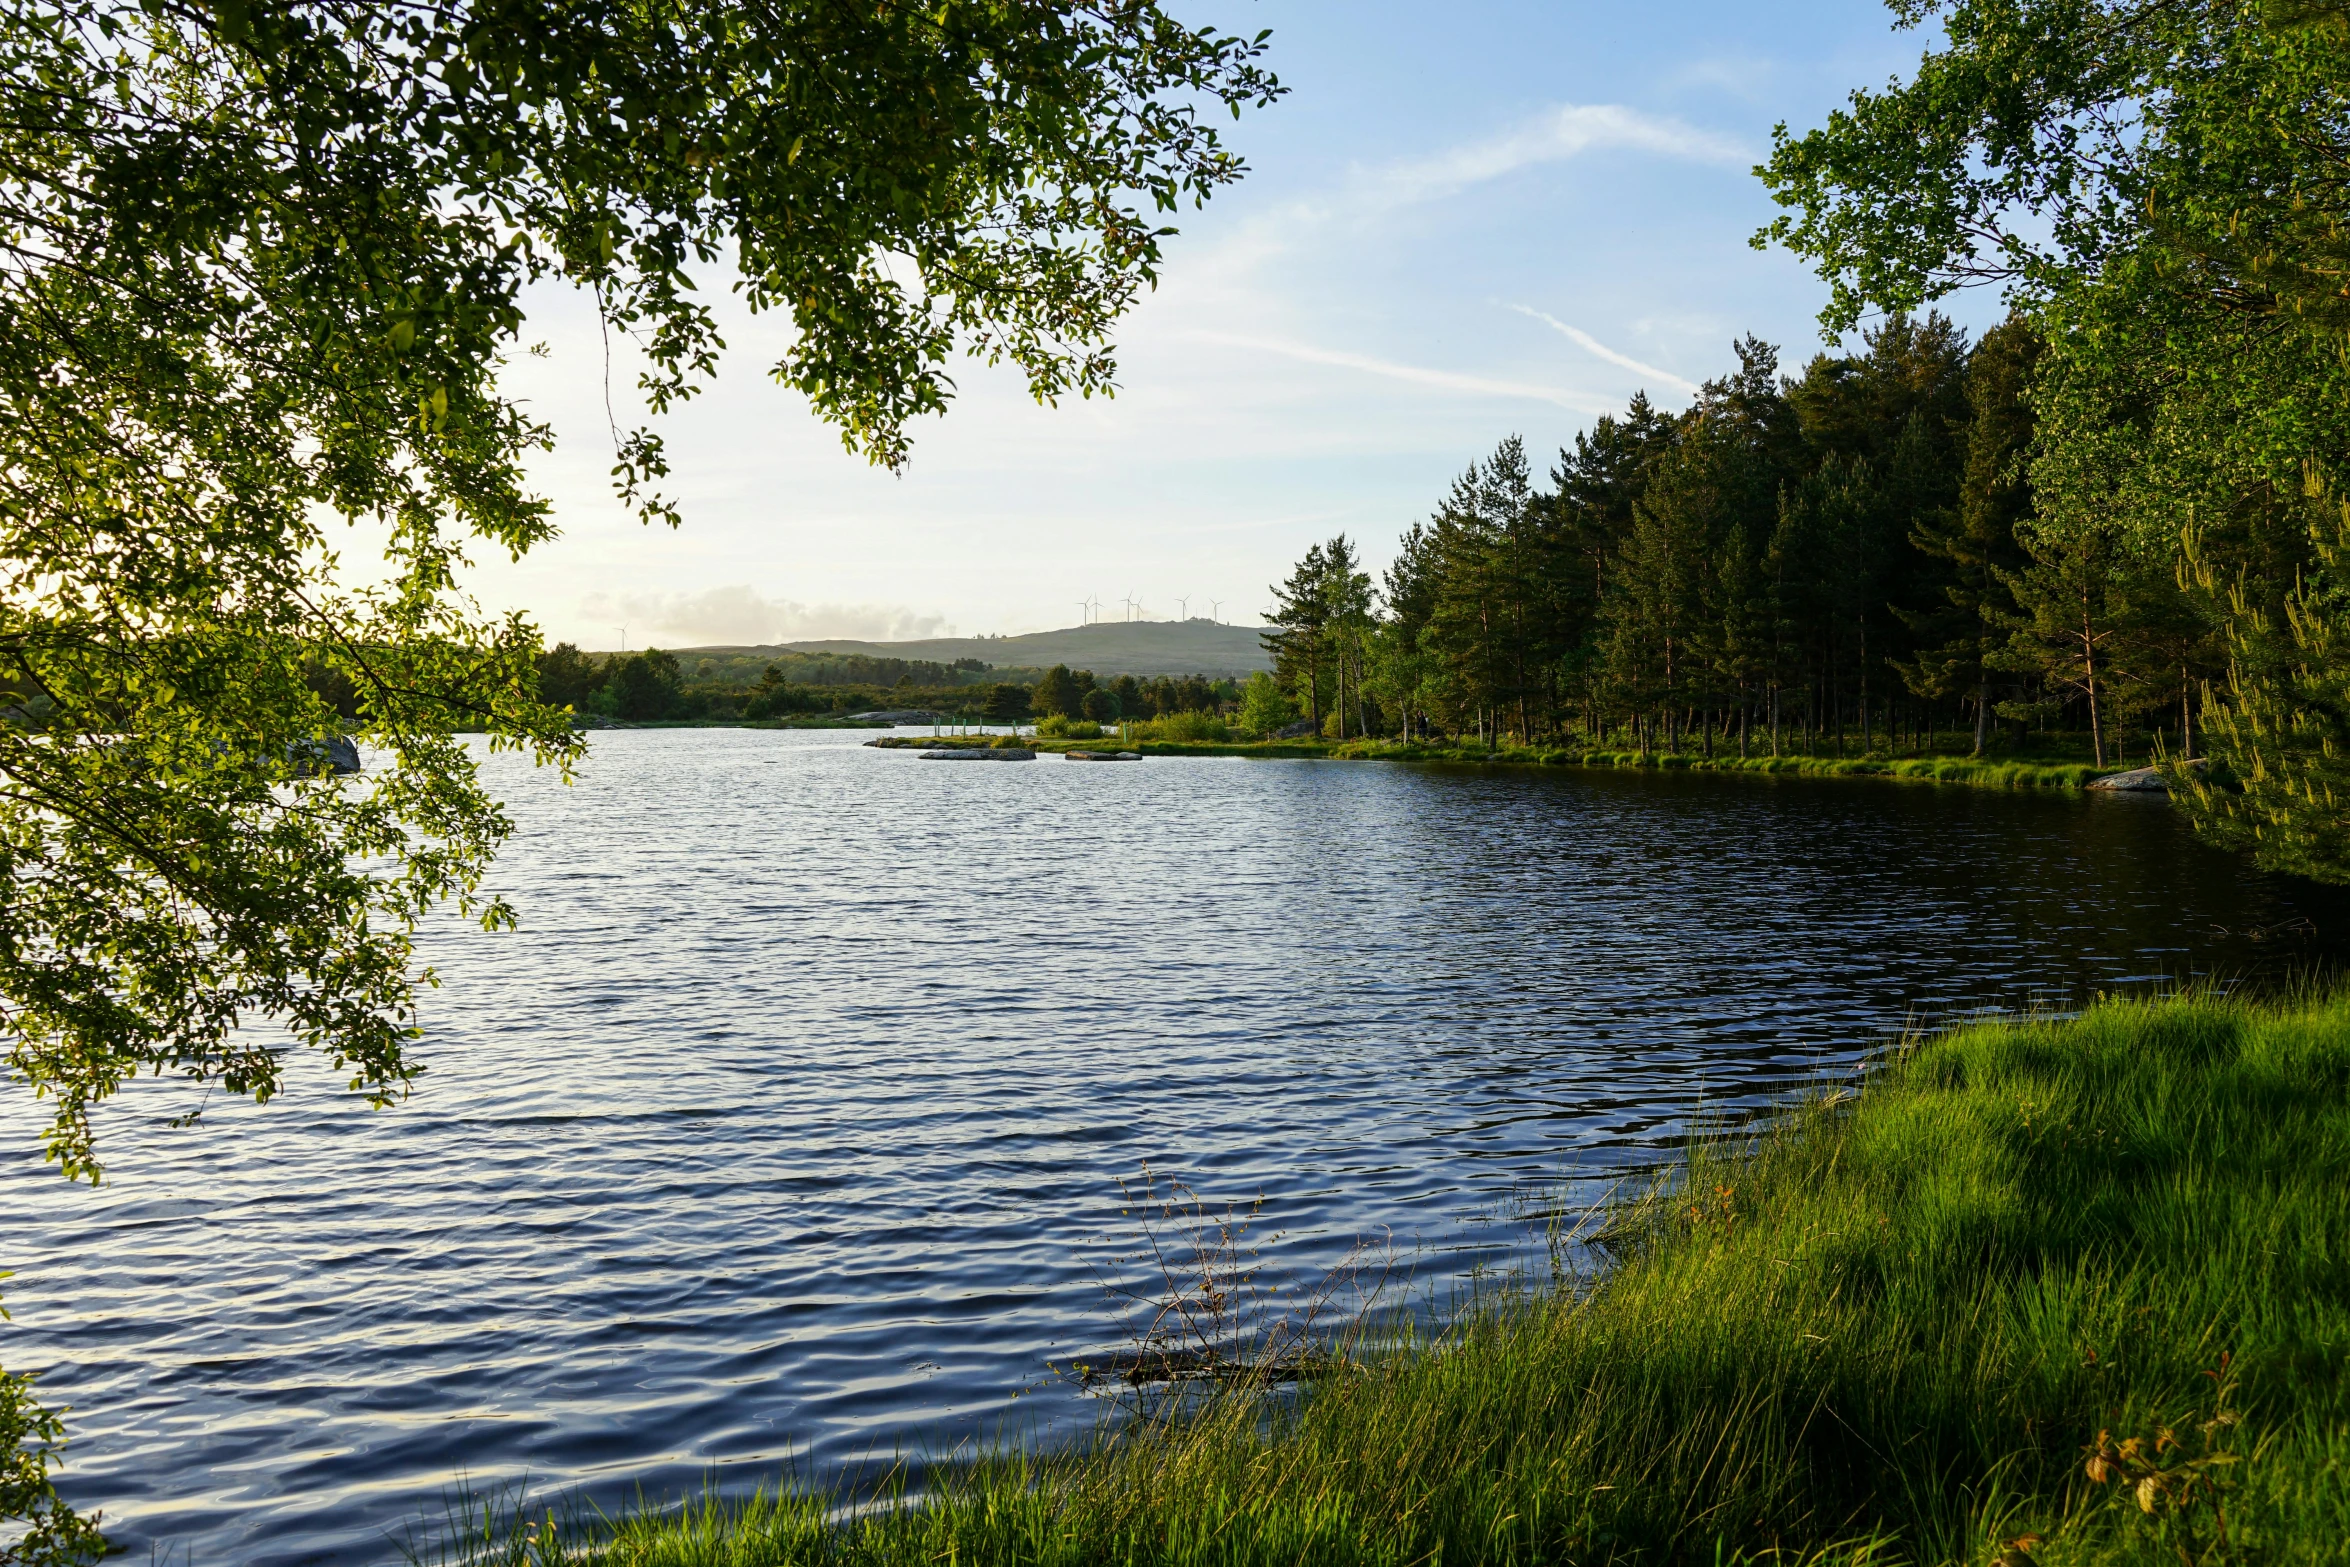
[1977,537]
[1299,642]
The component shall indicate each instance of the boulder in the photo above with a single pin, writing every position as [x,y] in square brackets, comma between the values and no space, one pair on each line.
[2138,780]
[1296,731]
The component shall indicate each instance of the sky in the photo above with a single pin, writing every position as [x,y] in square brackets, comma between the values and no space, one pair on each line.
[1464,222]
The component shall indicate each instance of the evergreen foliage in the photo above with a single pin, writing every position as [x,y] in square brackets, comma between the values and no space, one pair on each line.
[2161,190]
[1845,561]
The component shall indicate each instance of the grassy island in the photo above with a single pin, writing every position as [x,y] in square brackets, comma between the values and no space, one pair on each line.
[2055,1292]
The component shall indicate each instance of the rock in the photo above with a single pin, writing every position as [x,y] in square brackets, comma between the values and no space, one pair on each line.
[312,757]
[2138,780]
[973,753]
[1296,731]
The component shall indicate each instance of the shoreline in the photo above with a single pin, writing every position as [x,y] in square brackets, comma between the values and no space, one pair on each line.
[1965,771]
[2058,1292]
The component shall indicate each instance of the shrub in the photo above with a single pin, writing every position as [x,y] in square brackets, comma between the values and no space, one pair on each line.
[1264,706]
[1185,728]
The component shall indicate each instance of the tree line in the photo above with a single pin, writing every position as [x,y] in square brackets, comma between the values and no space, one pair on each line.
[655,685]
[1848,559]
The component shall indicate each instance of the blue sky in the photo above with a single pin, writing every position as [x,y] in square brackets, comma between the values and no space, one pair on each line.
[1464,222]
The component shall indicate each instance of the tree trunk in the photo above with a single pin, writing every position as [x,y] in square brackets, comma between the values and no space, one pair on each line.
[2089,673]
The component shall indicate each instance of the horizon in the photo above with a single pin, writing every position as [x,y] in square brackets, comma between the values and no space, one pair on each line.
[802,642]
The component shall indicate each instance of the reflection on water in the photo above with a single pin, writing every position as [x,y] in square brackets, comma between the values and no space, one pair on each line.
[790,1120]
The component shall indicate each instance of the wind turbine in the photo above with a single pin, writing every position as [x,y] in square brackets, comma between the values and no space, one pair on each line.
[1133,604]
[1215,610]
[623,630]
[1182,608]
[1096,607]
[1081,615]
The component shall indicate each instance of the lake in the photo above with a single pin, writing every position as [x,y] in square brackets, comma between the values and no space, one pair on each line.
[789,1127]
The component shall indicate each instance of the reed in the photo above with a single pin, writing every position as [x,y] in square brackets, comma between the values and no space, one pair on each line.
[2074,1293]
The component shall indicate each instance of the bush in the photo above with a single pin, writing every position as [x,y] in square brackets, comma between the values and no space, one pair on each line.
[1055,727]
[1185,728]
[1264,706]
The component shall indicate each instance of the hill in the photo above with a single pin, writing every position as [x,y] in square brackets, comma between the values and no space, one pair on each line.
[1139,647]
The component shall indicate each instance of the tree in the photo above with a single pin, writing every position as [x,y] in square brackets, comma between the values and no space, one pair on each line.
[1492,617]
[1007,703]
[1056,695]
[1687,629]
[262,266]
[1978,536]
[566,676]
[647,685]
[1400,665]
[1300,615]
[1347,605]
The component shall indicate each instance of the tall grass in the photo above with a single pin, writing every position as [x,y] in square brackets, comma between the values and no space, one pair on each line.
[2070,1293]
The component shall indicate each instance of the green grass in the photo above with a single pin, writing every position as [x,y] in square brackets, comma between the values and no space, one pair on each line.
[1884,1331]
[1992,774]
[1958,770]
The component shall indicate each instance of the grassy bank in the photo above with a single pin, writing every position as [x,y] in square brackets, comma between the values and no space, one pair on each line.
[2087,1282]
[1992,774]
[1949,770]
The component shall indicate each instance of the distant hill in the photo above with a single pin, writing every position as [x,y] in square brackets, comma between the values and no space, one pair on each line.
[1135,647]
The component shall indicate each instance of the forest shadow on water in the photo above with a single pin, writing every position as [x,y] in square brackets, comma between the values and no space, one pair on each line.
[790,1126]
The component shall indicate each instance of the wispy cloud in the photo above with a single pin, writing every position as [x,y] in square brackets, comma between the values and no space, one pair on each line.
[1449,380]
[1593,345]
[741,616]
[1554,135]
[1744,77]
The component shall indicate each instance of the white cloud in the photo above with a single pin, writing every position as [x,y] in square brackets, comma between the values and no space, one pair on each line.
[741,616]
[1593,345]
[1451,381]
[1554,135]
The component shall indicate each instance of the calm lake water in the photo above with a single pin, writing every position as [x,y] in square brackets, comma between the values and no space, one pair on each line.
[790,1123]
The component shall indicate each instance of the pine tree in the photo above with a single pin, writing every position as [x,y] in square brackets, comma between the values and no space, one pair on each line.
[1977,537]
[1301,616]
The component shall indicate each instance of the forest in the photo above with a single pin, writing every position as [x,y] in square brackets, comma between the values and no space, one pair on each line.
[1845,560]
[2118,518]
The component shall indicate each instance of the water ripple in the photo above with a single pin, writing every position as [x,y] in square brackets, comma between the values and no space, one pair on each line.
[789,1124]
